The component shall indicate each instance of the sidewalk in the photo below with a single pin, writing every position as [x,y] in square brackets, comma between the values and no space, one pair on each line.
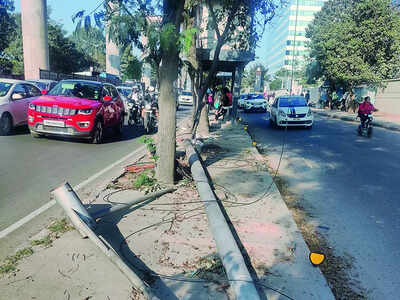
[384,120]
[276,249]
[168,242]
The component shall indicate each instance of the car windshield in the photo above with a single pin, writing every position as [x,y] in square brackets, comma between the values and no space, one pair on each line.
[4,88]
[40,85]
[124,91]
[186,93]
[256,96]
[292,102]
[78,89]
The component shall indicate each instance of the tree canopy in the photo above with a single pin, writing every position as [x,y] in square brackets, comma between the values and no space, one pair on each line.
[7,24]
[356,41]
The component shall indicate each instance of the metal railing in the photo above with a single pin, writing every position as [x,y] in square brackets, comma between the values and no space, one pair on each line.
[46,74]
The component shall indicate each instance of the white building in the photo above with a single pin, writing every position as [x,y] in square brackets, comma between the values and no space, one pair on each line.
[287,41]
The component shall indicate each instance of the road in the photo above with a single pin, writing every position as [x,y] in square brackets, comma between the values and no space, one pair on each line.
[350,186]
[30,168]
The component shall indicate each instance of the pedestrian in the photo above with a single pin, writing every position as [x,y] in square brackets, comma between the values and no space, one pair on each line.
[226,103]
[307,96]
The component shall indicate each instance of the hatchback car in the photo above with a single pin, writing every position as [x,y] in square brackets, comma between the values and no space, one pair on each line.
[44,84]
[77,108]
[185,97]
[291,111]
[15,96]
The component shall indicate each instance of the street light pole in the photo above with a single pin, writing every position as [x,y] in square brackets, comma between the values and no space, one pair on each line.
[294,46]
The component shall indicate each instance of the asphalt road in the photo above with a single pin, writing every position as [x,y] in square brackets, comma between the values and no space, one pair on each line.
[30,168]
[350,187]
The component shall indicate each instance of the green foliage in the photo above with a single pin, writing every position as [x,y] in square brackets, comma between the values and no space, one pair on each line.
[7,24]
[10,262]
[60,226]
[45,242]
[249,75]
[144,179]
[186,39]
[64,55]
[92,42]
[356,42]
[131,66]
[168,37]
[275,84]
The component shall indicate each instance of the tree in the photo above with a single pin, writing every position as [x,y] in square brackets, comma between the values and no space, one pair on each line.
[249,75]
[275,84]
[356,42]
[92,42]
[7,24]
[64,56]
[131,66]
[237,23]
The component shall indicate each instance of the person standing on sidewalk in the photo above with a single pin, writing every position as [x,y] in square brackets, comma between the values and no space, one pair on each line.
[226,101]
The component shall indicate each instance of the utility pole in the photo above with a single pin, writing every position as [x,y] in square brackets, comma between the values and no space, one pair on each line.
[34,37]
[294,46]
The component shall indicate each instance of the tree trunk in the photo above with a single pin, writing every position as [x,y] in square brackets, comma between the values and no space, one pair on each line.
[166,146]
[204,125]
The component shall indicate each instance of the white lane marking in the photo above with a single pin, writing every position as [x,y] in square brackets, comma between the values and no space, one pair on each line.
[49,204]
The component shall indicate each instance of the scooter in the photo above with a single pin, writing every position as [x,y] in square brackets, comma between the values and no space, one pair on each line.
[149,116]
[366,128]
[134,115]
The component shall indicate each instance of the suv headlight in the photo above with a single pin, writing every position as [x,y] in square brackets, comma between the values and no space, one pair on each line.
[86,111]
[309,114]
[32,106]
[282,113]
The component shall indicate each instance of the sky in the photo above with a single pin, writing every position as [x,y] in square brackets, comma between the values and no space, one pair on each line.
[63,10]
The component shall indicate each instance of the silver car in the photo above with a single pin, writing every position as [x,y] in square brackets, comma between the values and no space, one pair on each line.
[15,96]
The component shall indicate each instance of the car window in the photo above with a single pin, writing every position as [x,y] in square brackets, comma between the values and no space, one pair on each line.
[90,91]
[292,102]
[52,85]
[106,91]
[33,91]
[19,89]
[4,88]
[114,92]
[186,93]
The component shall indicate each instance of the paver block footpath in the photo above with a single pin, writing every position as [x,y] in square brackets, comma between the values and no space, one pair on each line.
[265,226]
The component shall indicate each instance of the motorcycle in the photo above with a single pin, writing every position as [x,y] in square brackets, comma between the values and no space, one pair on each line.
[365,128]
[149,115]
[134,114]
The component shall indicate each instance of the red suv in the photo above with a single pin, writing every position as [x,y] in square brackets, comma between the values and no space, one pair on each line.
[77,108]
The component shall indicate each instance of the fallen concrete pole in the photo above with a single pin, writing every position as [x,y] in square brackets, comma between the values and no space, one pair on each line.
[228,250]
[84,223]
[124,206]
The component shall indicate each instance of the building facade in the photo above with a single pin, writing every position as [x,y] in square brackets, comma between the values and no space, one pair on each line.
[286,37]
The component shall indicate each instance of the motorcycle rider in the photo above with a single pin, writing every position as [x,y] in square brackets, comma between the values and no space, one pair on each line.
[365,109]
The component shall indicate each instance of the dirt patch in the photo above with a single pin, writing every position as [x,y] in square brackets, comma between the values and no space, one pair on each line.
[335,268]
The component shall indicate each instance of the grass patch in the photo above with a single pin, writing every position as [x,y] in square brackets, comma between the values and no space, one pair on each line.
[144,180]
[60,226]
[10,262]
[45,242]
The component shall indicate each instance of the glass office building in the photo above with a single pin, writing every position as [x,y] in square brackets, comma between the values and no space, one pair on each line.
[285,32]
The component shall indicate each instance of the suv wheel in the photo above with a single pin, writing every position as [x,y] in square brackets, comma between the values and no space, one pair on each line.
[6,125]
[97,135]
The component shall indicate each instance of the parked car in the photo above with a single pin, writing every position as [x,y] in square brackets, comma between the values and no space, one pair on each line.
[291,111]
[44,84]
[77,108]
[255,102]
[185,97]
[15,96]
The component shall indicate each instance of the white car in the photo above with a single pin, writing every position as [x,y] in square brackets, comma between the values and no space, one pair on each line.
[291,111]
[185,97]
[255,102]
